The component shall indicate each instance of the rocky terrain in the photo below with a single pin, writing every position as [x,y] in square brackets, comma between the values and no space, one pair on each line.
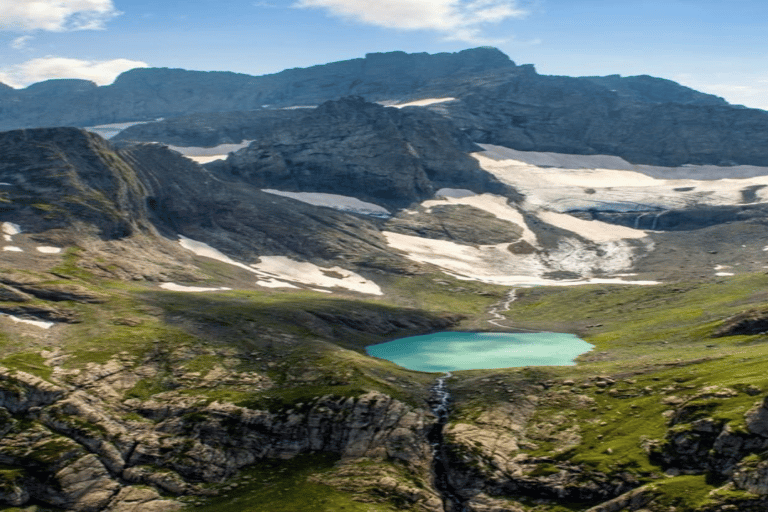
[177,336]
[642,119]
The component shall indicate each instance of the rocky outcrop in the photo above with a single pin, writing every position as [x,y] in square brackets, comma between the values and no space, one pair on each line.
[75,449]
[456,223]
[754,321]
[696,443]
[353,147]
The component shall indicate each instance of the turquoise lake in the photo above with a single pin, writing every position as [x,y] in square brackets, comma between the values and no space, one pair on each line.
[448,351]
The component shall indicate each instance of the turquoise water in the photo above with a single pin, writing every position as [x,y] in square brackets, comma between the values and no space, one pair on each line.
[448,351]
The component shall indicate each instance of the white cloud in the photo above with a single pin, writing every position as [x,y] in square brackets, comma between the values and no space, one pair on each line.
[55,15]
[37,70]
[456,19]
[20,43]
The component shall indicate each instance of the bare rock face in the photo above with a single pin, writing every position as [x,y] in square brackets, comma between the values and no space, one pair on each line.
[749,322]
[757,419]
[63,176]
[353,147]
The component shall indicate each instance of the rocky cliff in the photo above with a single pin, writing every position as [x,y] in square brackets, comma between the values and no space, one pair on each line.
[358,148]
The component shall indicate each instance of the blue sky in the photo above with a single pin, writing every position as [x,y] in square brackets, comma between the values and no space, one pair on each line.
[715,46]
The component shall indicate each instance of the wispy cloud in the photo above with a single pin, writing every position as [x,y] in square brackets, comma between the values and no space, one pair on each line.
[37,70]
[55,15]
[21,43]
[461,20]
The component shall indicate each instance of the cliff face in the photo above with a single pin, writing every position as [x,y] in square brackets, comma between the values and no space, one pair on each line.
[80,453]
[358,148]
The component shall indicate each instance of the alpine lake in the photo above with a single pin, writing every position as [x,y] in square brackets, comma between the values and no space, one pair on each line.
[451,351]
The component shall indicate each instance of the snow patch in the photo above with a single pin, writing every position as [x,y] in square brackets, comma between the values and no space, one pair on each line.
[9,228]
[36,323]
[203,155]
[11,248]
[181,288]
[48,250]
[421,103]
[310,274]
[205,250]
[724,274]
[273,269]
[274,283]
[335,201]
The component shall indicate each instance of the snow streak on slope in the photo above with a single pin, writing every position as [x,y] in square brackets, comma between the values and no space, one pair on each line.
[335,201]
[419,103]
[273,271]
[193,289]
[569,185]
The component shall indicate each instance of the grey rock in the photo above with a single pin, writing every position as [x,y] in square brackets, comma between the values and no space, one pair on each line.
[353,147]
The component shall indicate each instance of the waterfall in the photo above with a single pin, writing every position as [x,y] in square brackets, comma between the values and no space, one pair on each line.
[439,401]
[656,220]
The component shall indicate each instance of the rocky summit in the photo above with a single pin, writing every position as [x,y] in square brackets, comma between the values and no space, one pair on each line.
[185,307]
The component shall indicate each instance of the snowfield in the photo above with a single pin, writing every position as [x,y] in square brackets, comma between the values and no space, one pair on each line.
[578,182]
[335,201]
[495,264]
